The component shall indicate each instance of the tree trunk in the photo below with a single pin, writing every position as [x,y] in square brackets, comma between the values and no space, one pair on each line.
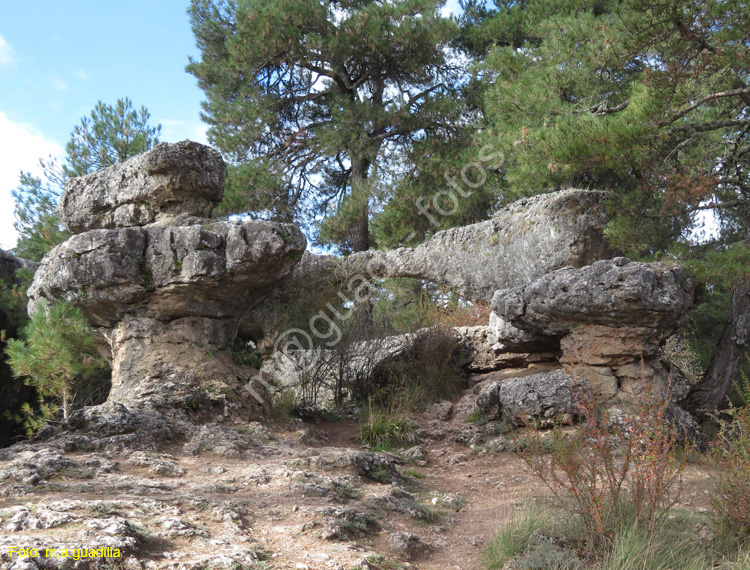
[359,232]
[708,394]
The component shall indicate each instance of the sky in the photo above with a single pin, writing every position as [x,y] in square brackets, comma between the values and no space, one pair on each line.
[59,58]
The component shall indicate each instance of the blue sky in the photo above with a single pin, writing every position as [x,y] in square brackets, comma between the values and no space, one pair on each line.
[58,58]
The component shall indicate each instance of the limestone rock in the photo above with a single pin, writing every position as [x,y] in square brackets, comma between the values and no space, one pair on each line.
[165,285]
[608,318]
[167,299]
[408,544]
[511,339]
[165,272]
[9,264]
[542,398]
[524,241]
[441,411]
[167,181]
[611,293]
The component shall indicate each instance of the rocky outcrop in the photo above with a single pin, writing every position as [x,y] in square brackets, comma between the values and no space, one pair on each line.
[522,242]
[541,399]
[491,354]
[168,181]
[9,264]
[606,317]
[166,294]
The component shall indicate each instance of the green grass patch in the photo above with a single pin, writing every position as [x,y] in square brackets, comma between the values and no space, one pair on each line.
[386,431]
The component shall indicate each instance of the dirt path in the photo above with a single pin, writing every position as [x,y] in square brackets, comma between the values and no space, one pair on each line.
[492,489]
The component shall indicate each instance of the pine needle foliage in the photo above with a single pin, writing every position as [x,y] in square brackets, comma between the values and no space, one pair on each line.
[56,353]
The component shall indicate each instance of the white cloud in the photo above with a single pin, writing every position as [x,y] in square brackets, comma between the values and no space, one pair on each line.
[451,8]
[58,83]
[6,57]
[21,147]
[81,74]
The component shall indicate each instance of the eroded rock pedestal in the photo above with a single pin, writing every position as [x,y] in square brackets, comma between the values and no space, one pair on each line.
[166,287]
[608,320]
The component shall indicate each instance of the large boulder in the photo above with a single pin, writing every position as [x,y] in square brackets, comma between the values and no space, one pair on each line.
[168,181]
[166,293]
[607,318]
[610,293]
[541,399]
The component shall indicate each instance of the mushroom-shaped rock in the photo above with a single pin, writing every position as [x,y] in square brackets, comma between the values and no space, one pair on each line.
[167,181]
[606,316]
[167,296]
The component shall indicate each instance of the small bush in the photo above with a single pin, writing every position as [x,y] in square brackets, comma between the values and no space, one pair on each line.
[428,373]
[634,548]
[612,472]
[513,538]
[546,539]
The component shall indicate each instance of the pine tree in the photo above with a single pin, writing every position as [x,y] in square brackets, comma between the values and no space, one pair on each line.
[56,353]
[111,135]
[317,104]
[650,100]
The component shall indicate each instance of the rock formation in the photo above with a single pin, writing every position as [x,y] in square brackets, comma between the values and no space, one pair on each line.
[605,317]
[170,180]
[164,286]
[541,399]
[9,264]
[523,241]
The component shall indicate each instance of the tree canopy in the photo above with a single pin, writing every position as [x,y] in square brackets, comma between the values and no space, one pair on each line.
[318,104]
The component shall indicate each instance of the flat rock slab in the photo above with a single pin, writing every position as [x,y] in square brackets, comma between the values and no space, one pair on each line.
[167,181]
